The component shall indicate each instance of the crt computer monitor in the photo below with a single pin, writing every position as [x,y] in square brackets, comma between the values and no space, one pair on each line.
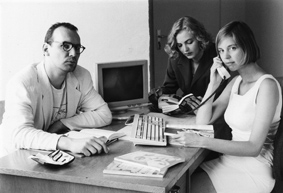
[123,85]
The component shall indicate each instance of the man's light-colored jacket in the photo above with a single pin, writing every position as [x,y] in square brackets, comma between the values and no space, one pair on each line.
[29,108]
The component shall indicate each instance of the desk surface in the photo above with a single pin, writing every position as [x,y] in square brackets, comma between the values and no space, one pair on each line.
[88,170]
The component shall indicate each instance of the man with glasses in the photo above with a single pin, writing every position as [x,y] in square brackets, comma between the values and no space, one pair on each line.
[50,98]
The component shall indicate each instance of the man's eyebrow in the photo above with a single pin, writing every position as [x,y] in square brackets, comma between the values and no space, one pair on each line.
[70,43]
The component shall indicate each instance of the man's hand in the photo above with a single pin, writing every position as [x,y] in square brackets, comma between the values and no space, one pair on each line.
[85,146]
[58,127]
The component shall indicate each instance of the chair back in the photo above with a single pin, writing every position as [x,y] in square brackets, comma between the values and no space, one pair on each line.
[277,169]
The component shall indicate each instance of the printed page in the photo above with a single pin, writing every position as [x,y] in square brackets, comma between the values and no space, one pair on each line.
[102,132]
[84,133]
[178,122]
[174,142]
[127,131]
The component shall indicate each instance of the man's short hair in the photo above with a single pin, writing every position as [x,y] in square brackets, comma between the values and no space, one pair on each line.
[50,31]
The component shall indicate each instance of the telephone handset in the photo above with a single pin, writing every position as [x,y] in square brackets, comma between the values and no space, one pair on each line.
[223,72]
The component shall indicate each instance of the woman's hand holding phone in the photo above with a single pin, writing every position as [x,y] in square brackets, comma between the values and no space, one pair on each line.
[218,70]
[215,77]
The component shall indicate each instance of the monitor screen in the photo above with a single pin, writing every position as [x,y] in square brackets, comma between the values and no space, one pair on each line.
[123,85]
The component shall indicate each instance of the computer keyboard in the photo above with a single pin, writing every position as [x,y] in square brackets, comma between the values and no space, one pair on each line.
[148,130]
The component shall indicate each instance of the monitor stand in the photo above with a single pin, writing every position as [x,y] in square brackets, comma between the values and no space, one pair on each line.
[126,113]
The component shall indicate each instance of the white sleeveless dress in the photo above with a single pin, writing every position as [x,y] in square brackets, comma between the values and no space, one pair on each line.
[233,174]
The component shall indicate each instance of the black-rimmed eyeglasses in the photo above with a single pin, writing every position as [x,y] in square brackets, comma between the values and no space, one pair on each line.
[67,46]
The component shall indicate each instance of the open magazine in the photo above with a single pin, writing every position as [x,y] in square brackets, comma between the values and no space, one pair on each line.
[202,130]
[111,136]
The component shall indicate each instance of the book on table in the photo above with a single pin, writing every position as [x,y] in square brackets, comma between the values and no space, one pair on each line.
[141,163]
[160,162]
[170,104]
[121,168]
[111,136]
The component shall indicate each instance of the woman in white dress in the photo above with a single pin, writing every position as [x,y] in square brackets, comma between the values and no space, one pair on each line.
[251,104]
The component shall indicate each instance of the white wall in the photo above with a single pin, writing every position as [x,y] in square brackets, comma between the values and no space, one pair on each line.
[111,30]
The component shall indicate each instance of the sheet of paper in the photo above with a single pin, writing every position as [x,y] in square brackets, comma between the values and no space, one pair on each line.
[126,130]
[90,132]
[178,122]
[98,132]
